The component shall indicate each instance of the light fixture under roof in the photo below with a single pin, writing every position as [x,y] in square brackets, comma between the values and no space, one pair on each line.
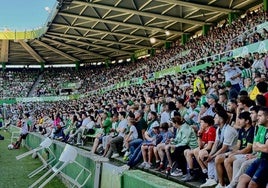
[152,40]
[167,33]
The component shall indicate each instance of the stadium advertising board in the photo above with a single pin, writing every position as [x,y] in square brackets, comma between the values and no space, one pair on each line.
[139,53]
[256,47]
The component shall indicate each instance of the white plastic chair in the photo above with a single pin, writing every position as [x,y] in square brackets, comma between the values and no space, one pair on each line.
[67,157]
[14,136]
[45,162]
[15,133]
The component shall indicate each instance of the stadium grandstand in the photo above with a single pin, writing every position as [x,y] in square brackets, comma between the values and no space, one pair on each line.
[146,93]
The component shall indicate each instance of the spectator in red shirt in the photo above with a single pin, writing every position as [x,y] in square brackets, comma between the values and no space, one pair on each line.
[263,89]
[206,137]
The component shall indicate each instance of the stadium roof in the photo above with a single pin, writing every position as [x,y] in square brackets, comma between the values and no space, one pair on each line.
[96,30]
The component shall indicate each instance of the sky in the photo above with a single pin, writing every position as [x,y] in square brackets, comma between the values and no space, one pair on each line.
[23,15]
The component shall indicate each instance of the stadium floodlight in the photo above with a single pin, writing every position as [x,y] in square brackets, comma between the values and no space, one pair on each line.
[167,33]
[153,40]
[48,9]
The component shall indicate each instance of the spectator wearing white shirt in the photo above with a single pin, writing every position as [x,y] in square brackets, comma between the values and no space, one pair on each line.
[165,115]
[24,130]
[232,74]
[80,131]
[119,139]
[258,64]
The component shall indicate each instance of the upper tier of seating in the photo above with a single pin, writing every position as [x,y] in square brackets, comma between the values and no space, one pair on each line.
[218,40]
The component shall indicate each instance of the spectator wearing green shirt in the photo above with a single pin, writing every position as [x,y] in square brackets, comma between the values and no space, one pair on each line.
[256,174]
[241,165]
[185,139]
[106,123]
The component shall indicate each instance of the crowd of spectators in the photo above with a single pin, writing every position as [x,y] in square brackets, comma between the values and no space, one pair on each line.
[217,115]
[218,40]
[16,83]
[167,122]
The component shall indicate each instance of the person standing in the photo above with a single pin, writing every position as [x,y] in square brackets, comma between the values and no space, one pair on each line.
[199,83]
[24,130]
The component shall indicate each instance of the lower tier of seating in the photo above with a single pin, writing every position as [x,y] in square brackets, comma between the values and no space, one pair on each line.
[110,172]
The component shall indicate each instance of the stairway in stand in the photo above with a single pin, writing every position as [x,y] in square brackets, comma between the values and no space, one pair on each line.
[31,92]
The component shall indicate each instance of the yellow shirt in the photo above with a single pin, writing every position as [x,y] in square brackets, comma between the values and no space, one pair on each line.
[41,121]
[254,93]
[199,86]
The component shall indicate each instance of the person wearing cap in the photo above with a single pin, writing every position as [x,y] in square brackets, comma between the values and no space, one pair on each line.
[232,91]
[226,137]
[166,136]
[232,73]
[199,83]
[147,148]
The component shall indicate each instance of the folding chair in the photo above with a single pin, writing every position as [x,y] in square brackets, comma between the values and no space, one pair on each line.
[14,136]
[46,162]
[67,157]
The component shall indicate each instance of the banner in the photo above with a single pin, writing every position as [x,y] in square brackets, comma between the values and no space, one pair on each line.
[7,101]
[42,99]
[69,85]
[260,47]
[169,71]
[139,53]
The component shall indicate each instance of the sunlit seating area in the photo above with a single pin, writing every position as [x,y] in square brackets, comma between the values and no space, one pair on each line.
[189,113]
